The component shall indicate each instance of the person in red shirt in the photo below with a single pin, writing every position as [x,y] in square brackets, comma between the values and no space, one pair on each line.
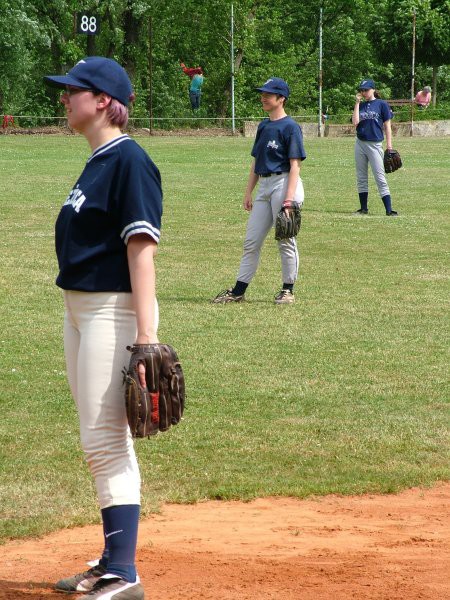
[196,76]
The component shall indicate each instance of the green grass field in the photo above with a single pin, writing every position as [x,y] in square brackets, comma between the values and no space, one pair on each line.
[344,392]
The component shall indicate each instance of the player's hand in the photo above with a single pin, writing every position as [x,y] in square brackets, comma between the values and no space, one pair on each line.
[358,97]
[144,339]
[141,375]
[287,206]
[248,203]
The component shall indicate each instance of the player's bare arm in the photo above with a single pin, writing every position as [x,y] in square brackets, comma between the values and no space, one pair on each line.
[388,133]
[141,250]
[251,184]
[355,115]
[293,176]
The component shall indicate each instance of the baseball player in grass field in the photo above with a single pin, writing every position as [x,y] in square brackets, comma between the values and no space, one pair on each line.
[278,151]
[106,237]
[371,116]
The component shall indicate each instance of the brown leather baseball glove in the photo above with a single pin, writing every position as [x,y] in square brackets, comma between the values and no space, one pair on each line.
[160,403]
[288,221]
[392,161]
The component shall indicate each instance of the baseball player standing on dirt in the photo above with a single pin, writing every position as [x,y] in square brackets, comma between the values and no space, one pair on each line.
[106,236]
[278,151]
[370,118]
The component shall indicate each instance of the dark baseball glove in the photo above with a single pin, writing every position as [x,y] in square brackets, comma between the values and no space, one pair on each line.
[161,403]
[288,221]
[392,161]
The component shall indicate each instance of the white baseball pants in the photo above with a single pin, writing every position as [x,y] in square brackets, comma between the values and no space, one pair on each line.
[97,328]
[266,205]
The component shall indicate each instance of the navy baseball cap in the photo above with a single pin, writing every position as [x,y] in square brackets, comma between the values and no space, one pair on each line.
[367,84]
[275,85]
[97,73]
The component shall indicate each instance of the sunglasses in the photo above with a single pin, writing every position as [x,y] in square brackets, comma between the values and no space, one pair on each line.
[71,91]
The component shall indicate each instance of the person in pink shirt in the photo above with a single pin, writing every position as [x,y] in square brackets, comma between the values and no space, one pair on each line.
[423,98]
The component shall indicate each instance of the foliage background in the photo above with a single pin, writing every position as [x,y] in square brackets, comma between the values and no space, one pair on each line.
[360,38]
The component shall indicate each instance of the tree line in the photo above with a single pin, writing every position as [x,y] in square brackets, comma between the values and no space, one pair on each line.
[361,38]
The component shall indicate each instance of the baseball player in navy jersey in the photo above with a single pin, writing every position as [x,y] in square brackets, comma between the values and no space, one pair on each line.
[278,151]
[371,117]
[106,236]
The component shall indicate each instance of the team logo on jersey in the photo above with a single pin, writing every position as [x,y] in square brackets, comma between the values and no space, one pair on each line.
[272,144]
[76,198]
[369,115]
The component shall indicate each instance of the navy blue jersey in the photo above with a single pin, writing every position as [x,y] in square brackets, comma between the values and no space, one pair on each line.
[372,115]
[117,195]
[275,144]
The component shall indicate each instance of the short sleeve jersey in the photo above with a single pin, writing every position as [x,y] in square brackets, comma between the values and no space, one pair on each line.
[372,115]
[275,144]
[117,195]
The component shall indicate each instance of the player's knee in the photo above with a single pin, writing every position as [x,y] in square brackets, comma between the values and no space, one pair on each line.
[252,245]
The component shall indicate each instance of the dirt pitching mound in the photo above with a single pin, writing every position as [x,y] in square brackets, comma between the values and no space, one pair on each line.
[392,547]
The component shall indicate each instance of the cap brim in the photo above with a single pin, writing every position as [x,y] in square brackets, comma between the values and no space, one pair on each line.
[63,80]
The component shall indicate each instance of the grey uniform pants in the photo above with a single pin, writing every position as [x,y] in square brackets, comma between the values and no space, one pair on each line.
[266,205]
[365,153]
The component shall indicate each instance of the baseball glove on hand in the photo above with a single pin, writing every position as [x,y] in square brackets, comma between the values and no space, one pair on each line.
[288,221]
[161,403]
[392,161]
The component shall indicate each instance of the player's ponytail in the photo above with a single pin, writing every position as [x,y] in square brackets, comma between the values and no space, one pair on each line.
[117,113]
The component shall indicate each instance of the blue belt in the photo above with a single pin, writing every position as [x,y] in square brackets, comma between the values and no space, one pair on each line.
[270,174]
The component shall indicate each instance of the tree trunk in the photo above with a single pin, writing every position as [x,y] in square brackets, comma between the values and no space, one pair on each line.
[435,70]
[131,28]
[90,45]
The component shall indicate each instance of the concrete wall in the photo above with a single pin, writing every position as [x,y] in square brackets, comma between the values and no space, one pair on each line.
[420,129]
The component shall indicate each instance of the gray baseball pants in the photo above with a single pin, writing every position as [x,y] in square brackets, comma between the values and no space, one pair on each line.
[266,205]
[365,153]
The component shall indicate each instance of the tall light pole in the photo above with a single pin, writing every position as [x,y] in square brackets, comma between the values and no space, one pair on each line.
[413,67]
[319,131]
[233,126]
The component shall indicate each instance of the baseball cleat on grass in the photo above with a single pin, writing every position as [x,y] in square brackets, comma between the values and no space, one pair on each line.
[227,296]
[284,297]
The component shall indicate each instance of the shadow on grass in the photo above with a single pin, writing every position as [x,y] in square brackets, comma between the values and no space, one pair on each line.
[207,300]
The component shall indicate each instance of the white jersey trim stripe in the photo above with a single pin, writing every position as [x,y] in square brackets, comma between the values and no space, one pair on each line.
[108,145]
[141,230]
[155,231]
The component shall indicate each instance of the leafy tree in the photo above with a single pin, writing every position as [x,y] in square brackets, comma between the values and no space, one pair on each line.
[395,30]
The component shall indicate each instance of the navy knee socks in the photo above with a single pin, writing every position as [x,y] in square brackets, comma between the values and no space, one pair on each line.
[120,526]
[363,196]
[387,203]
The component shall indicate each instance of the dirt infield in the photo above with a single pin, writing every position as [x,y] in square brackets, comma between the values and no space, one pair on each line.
[391,547]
